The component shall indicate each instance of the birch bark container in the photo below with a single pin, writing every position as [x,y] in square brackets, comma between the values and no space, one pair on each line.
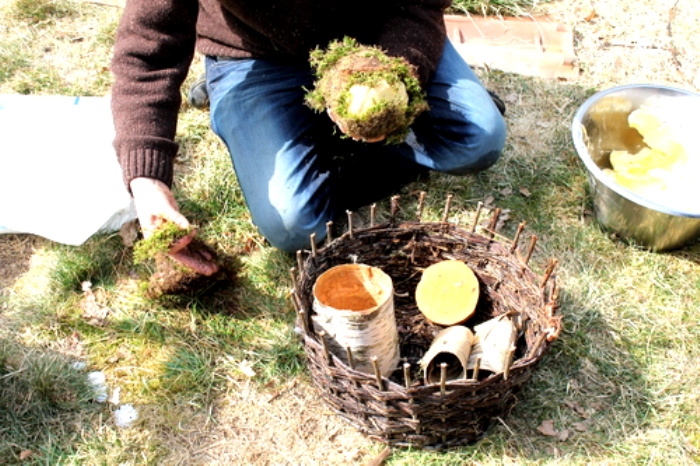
[452,347]
[354,306]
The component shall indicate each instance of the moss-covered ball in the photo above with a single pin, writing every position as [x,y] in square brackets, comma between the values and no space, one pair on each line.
[370,94]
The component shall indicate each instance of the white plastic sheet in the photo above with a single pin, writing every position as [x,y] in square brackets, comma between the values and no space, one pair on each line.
[59,176]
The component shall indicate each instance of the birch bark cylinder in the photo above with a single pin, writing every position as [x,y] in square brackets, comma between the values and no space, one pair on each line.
[354,305]
[493,340]
[451,346]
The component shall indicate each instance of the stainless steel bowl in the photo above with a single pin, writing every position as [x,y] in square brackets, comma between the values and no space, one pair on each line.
[599,126]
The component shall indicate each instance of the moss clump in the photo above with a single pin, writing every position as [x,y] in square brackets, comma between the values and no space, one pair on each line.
[371,94]
[173,278]
[159,242]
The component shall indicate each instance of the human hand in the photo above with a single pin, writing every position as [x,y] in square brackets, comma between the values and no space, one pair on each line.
[370,95]
[156,205]
[343,127]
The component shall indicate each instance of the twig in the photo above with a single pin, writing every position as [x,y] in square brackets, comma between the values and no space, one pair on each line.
[380,458]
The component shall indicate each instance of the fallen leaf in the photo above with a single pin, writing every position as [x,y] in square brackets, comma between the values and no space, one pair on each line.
[547,428]
[507,191]
[503,219]
[94,313]
[121,353]
[525,192]
[580,426]
[576,407]
[597,405]
[489,202]
[591,15]
[129,232]
[563,435]
[24,454]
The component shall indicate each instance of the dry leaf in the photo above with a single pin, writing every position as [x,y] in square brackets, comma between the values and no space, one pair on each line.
[503,219]
[121,353]
[94,313]
[507,191]
[591,15]
[525,192]
[547,428]
[563,435]
[24,454]
[489,202]
[580,426]
[129,232]
[576,407]
[597,406]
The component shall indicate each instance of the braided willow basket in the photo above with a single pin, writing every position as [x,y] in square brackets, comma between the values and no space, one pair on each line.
[401,410]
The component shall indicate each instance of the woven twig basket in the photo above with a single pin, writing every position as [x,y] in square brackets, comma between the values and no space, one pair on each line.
[401,410]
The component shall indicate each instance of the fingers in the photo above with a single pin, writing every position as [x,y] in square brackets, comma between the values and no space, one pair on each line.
[182,242]
[338,121]
[199,261]
[155,205]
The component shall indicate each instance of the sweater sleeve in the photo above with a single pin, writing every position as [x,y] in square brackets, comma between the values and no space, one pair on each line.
[415,30]
[153,51]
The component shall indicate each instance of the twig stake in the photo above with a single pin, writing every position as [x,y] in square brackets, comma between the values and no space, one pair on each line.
[531,249]
[421,205]
[377,373]
[300,261]
[350,229]
[448,205]
[394,206]
[479,206]
[514,246]
[329,234]
[313,244]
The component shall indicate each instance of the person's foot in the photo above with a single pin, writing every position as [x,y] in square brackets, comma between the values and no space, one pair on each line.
[198,95]
[500,105]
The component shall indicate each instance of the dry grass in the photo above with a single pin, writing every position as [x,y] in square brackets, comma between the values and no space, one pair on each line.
[216,379]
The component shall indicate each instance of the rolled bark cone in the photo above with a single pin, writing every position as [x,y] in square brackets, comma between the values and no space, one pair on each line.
[447,293]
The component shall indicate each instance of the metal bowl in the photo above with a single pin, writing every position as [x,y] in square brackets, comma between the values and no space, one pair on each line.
[599,126]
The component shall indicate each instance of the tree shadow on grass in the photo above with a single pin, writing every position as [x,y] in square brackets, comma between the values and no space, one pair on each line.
[591,388]
[46,403]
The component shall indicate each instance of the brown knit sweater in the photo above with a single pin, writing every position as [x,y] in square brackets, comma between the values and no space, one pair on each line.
[156,40]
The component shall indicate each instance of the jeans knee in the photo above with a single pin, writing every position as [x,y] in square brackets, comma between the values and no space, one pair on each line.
[481,149]
[291,229]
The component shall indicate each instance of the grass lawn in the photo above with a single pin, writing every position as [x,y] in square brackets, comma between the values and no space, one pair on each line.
[221,377]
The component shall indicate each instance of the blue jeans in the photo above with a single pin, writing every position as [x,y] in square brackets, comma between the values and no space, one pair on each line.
[296,171]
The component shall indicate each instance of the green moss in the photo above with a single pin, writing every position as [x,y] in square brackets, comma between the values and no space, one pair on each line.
[159,242]
[344,64]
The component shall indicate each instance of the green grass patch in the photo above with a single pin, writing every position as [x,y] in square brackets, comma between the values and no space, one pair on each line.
[496,7]
[37,12]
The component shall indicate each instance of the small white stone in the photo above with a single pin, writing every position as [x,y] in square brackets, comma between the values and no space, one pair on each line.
[79,365]
[97,379]
[125,415]
[114,399]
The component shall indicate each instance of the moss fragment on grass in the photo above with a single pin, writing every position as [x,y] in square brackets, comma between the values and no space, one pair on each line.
[346,66]
[159,242]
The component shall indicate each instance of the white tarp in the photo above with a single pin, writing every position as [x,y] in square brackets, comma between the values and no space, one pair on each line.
[59,177]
